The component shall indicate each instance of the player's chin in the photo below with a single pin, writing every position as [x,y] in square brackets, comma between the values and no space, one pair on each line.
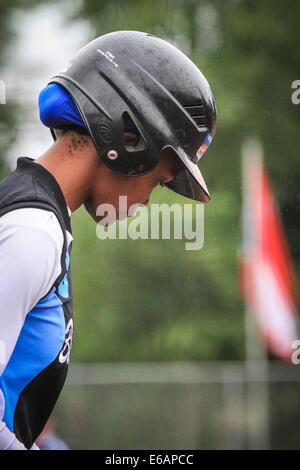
[109,219]
[105,217]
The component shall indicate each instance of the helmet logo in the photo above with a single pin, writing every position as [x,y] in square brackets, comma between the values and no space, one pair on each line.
[105,133]
[204,146]
[109,56]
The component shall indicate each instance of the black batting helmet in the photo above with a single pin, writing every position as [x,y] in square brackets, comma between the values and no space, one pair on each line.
[129,80]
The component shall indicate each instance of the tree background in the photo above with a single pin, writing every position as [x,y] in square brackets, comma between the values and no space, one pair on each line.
[152,300]
[142,301]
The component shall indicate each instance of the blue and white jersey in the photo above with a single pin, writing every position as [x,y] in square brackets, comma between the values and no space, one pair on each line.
[36,320]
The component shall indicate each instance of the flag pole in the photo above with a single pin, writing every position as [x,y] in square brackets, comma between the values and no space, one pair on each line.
[256,361]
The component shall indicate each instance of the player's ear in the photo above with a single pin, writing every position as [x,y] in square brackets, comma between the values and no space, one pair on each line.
[133,138]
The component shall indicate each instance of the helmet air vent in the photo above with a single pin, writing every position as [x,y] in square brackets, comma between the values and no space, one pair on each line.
[196,112]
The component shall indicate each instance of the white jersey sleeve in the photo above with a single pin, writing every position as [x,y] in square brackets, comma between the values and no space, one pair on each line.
[31,243]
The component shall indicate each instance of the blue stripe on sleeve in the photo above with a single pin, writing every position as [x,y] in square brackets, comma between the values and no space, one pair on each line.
[39,343]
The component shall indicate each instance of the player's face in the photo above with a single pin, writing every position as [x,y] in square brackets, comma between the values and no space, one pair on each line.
[136,189]
[168,167]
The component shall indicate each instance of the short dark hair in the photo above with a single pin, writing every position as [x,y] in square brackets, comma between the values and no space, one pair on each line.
[62,130]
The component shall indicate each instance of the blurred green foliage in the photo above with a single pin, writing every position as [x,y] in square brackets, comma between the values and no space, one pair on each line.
[10,113]
[153,300]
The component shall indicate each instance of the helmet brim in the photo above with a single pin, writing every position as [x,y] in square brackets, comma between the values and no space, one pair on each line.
[190,182]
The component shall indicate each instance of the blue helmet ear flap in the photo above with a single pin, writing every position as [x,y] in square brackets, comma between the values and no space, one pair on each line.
[57,109]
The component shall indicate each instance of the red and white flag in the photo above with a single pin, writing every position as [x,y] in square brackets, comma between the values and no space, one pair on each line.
[267,274]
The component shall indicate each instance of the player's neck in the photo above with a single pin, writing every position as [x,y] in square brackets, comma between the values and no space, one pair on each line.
[73,168]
